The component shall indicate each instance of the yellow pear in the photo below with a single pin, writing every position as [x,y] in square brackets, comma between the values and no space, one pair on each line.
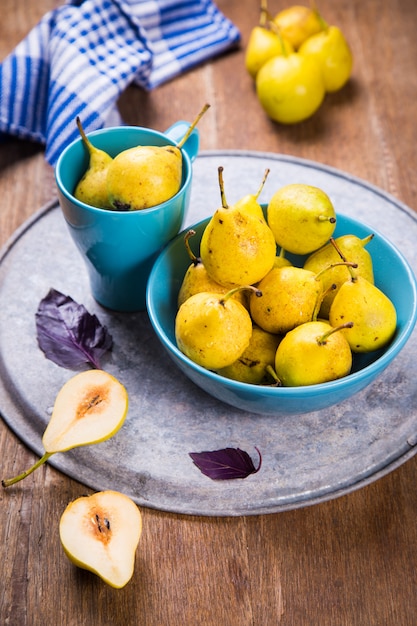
[373,314]
[237,247]
[311,354]
[90,408]
[100,533]
[212,330]
[327,261]
[252,366]
[196,278]
[330,48]
[92,187]
[297,23]
[264,44]
[290,87]
[145,176]
[289,298]
[302,218]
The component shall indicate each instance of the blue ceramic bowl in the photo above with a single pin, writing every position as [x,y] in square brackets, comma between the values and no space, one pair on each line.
[392,274]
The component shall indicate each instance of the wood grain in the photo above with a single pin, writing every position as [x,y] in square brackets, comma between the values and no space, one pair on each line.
[348,562]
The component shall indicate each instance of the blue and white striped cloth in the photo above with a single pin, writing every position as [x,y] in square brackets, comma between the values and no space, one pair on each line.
[82,55]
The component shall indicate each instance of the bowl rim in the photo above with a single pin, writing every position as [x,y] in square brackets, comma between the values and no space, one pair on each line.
[374,368]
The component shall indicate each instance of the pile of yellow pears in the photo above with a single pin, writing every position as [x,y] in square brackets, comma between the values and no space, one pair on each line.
[246,312]
[295,58]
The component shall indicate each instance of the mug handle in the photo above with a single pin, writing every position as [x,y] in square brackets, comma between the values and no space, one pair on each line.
[177,131]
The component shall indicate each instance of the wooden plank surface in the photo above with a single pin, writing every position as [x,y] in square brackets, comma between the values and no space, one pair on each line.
[348,562]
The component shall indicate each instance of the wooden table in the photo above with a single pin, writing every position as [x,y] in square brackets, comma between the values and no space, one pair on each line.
[348,562]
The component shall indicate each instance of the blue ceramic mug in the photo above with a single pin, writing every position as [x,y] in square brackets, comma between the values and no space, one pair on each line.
[119,247]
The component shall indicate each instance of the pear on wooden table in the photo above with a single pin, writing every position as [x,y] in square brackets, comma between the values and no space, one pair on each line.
[89,408]
[92,187]
[100,533]
[297,23]
[330,48]
[145,176]
[264,43]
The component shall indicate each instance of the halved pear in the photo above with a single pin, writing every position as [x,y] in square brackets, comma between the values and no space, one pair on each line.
[89,408]
[100,533]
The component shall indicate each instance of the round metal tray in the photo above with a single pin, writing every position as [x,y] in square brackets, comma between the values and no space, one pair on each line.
[306,459]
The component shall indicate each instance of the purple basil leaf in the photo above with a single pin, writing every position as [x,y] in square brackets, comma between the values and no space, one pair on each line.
[68,334]
[225,464]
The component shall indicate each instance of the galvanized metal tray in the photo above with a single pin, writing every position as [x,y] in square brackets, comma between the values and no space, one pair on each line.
[306,459]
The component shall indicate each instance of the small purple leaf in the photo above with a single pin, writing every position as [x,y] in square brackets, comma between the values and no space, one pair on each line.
[68,334]
[225,464]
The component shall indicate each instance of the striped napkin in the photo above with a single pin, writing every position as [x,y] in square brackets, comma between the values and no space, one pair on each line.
[82,55]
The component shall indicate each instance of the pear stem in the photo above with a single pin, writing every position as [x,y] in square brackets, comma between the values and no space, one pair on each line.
[342,256]
[367,239]
[258,193]
[319,301]
[331,265]
[326,218]
[221,185]
[192,126]
[12,481]
[270,370]
[195,260]
[230,293]
[83,135]
[314,8]
[323,339]
[263,13]
[338,250]
[275,29]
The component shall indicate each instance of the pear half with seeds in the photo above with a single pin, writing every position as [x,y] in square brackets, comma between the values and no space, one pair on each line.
[100,533]
[89,408]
